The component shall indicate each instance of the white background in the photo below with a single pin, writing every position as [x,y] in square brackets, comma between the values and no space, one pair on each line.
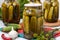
[41,1]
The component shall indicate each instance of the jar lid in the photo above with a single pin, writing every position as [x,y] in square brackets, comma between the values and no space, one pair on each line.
[32,5]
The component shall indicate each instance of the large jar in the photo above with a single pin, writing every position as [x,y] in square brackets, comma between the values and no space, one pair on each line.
[51,10]
[10,11]
[32,18]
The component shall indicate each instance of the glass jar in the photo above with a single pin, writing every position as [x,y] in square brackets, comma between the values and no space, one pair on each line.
[11,11]
[51,11]
[32,18]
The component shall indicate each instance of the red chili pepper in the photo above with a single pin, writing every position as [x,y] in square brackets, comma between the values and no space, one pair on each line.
[57,34]
[5,38]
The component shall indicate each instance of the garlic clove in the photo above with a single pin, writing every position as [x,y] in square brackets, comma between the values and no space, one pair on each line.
[13,34]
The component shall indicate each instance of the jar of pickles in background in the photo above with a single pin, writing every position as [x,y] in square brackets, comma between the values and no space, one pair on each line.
[51,10]
[10,11]
[32,19]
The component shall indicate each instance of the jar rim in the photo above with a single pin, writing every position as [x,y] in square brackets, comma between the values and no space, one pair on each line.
[32,5]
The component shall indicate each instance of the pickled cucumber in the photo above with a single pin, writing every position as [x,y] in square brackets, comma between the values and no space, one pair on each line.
[26,21]
[56,12]
[26,24]
[50,13]
[4,11]
[40,24]
[46,13]
[10,12]
[44,5]
[24,14]
[33,23]
[46,9]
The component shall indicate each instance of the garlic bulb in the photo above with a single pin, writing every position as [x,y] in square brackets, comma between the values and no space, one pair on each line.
[13,34]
